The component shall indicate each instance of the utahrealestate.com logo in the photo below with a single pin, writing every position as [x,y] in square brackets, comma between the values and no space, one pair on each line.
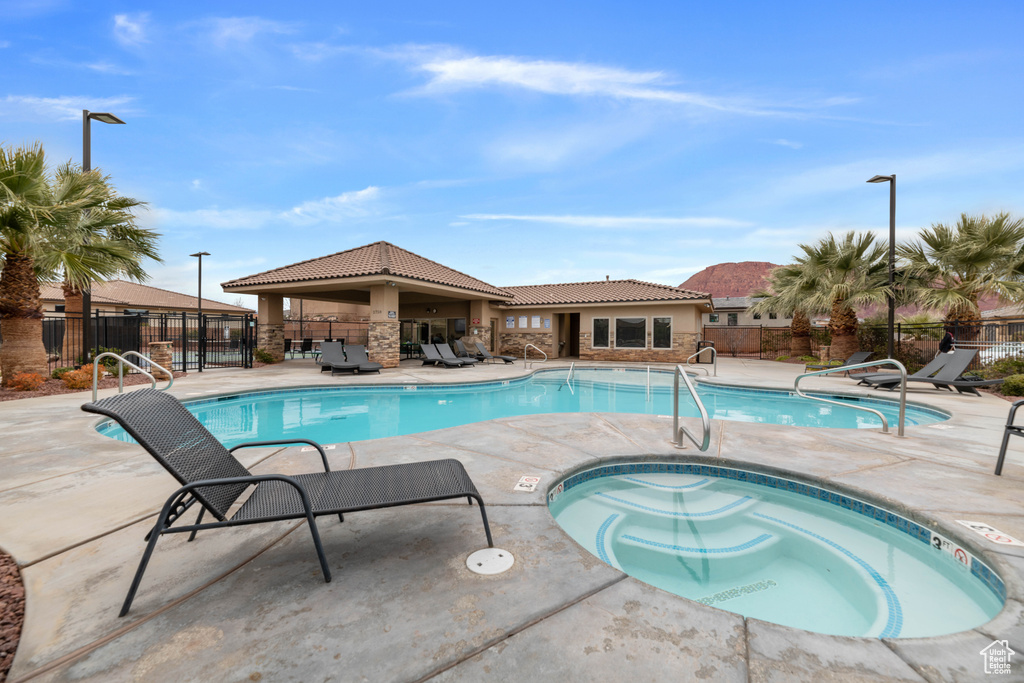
[997,657]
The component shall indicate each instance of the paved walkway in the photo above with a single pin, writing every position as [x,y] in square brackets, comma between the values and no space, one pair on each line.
[250,604]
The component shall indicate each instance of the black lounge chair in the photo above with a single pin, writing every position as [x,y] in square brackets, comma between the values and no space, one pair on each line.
[211,476]
[356,353]
[461,352]
[446,353]
[869,378]
[432,357]
[1011,430]
[859,357]
[487,354]
[950,376]
[332,357]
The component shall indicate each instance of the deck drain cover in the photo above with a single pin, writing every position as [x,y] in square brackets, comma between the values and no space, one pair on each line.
[490,561]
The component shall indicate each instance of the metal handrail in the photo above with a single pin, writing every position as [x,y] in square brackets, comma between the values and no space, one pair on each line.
[858,366]
[121,362]
[679,430]
[527,363]
[149,361]
[714,359]
[648,382]
[572,371]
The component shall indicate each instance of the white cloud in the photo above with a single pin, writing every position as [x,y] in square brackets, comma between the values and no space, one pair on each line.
[64,108]
[348,205]
[225,31]
[615,222]
[197,184]
[4,43]
[130,29]
[783,142]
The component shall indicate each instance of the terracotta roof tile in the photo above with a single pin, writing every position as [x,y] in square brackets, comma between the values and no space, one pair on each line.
[379,258]
[601,291]
[136,295]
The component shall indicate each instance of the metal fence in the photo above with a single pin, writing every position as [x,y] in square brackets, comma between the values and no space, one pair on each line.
[214,341]
[346,331]
[743,341]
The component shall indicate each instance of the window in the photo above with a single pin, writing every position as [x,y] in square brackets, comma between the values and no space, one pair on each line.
[631,333]
[712,317]
[772,316]
[732,319]
[600,333]
[663,333]
[58,308]
[757,316]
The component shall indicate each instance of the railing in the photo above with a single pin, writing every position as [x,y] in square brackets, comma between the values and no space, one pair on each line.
[121,362]
[858,366]
[527,363]
[648,382]
[679,430]
[714,360]
[568,378]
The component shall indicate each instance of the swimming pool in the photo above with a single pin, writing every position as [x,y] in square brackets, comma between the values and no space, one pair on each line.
[339,414]
[776,549]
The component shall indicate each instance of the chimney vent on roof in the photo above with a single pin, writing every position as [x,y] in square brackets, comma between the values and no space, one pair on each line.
[607,278]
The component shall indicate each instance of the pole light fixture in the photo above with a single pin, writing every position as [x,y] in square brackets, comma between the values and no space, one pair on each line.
[87,117]
[200,326]
[891,179]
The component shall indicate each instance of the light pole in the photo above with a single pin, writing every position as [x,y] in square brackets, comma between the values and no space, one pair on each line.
[891,179]
[102,117]
[201,329]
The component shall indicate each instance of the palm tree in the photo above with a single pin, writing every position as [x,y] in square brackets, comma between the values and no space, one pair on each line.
[787,292]
[48,230]
[950,267]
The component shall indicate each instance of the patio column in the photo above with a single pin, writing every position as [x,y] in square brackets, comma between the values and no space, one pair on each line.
[270,329]
[478,327]
[384,330]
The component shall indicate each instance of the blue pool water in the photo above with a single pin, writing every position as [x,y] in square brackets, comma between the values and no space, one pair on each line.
[333,415]
[777,550]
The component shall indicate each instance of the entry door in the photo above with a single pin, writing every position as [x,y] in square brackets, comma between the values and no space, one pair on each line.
[574,334]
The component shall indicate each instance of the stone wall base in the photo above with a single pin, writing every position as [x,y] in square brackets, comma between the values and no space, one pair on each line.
[160,353]
[513,343]
[270,338]
[383,343]
[684,345]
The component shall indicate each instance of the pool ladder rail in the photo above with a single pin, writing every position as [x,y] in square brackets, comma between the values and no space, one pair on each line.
[858,366]
[569,378]
[527,363]
[714,361]
[679,430]
[121,362]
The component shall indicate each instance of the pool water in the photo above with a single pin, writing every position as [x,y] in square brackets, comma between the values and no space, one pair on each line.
[333,415]
[777,550]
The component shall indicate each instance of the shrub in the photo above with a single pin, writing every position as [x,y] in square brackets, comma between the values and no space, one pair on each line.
[1004,367]
[263,356]
[1013,385]
[781,359]
[78,379]
[60,372]
[26,381]
[808,359]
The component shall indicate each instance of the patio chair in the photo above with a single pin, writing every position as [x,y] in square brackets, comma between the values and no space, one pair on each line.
[287,346]
[1011,430]
[461,352]
[212,477]
[307,346]
[432,357]
[949,376]
[928,370]
[356,353]
[332,356]
[446,352]
[856,358]
[487,354]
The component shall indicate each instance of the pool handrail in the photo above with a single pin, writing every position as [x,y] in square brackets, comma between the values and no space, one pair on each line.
[568,377]
[526,362]
[714,360]
[679,430]
[121,362]
[858,366]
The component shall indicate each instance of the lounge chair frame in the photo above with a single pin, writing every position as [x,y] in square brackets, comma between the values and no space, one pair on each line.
[1011,430]
[446,353]
[431,356]
[332,355]
[490,358]
[211,476]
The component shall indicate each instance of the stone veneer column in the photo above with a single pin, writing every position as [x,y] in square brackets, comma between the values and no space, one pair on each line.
[383,343]
[160,353]
[270,329]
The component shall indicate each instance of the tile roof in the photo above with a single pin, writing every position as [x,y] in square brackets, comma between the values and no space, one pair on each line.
[136,295]
[379,258]
[744,302]
[601,291]
[1013,311]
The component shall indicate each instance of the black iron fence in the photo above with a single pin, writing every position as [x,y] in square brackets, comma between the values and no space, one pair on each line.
[196,343]
[347,331]
[749,341]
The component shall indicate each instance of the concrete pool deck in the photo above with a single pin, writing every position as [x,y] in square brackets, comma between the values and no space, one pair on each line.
[249,603]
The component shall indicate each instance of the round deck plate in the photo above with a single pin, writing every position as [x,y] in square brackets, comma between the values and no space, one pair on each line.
[490,561]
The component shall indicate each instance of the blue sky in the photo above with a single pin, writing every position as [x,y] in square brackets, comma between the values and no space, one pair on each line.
[528,142]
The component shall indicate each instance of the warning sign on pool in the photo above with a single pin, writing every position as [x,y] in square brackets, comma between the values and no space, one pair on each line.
[991,533]
[947,546]
[527,483]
